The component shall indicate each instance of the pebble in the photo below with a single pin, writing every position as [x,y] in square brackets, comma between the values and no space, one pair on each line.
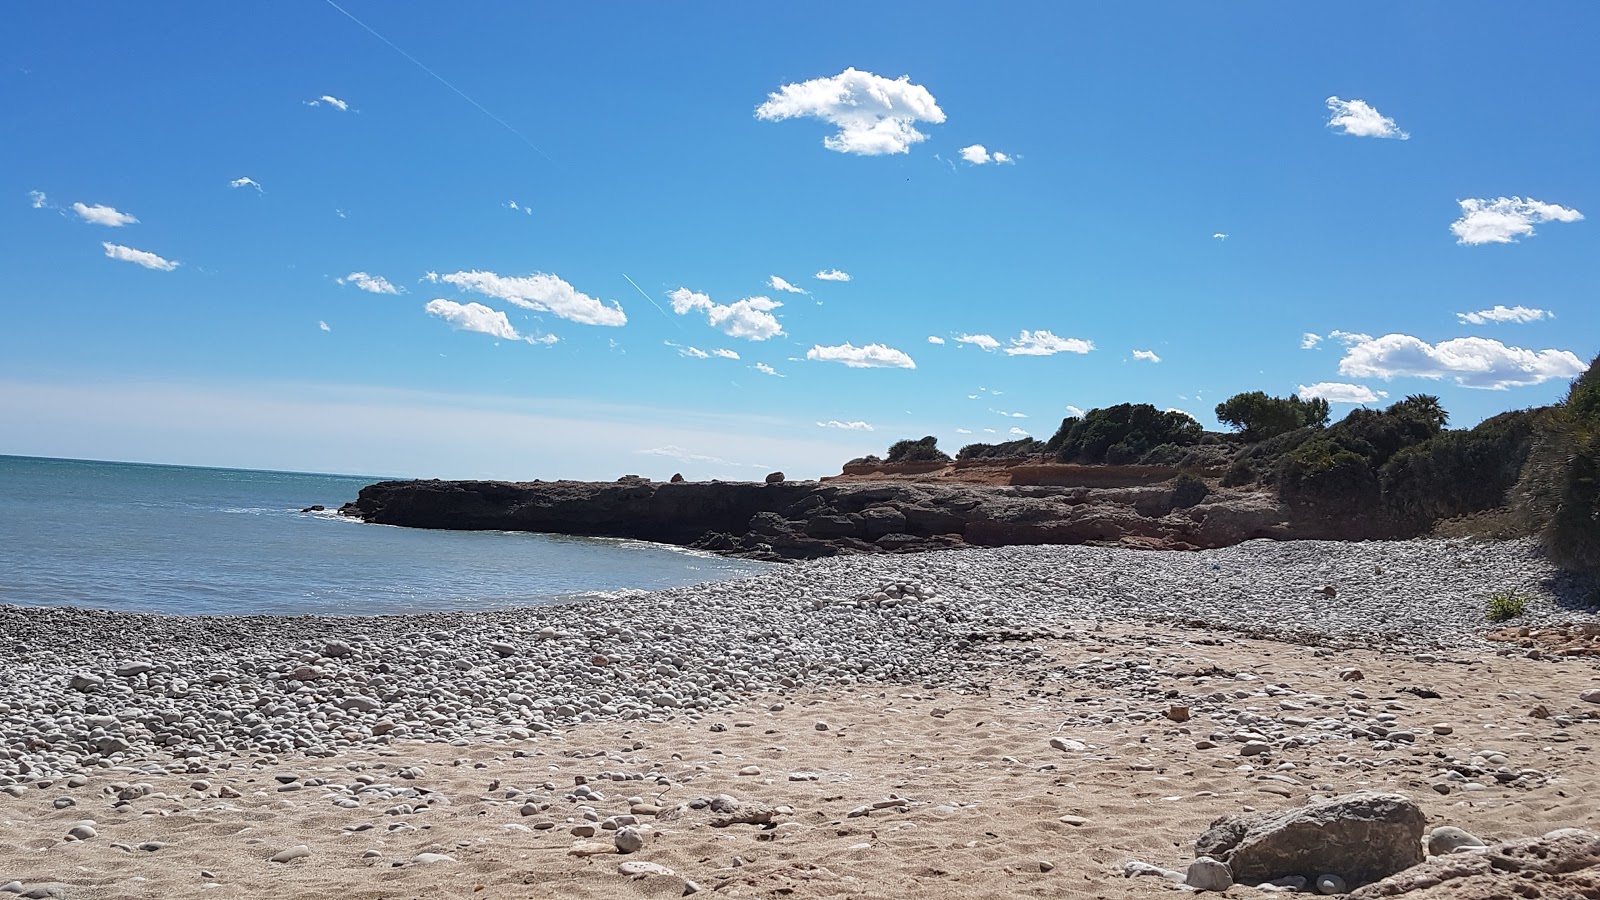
[82,832]
[299,851]
[1207,874]
[1449,839]
[640,867]
[428,859]
[628,840]
[1331,884]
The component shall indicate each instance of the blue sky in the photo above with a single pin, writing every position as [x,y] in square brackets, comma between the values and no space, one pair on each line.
[1052,184]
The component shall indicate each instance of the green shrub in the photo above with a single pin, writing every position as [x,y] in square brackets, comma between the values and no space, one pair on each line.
[1559,492]
[1243,471]
[1336,469]
[1459,472]
[1188,490]
[1259,417]
[1506,605]
[1133,429]
[1018,449]
[922,450]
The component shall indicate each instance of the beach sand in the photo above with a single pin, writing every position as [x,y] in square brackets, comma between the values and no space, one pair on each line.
[971,794]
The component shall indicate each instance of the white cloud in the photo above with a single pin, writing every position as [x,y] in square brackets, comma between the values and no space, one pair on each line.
[824,275]
[323,325]
[1358,118]
[982,341]
[139,257]
[765,369]
[693,353]
[1149,355]
[40,201]
[872,356]
[1220,236]
[1517,314]
[935,339]
[1011,415]
[1504,219]
[725,354]
[778,284]
[977,154]
[1339,392]
[847,426]
[673,451]
[1309,340]
[547,339]
[524,208]
[1350,338]
[372,284]
[245,182]
[540,292]
[334,102]
[1043,343]
[1074,411]
[103,215]
[473,317]
[1471,361]
[750,318]
[1017,432]
[963,431]
[874,115]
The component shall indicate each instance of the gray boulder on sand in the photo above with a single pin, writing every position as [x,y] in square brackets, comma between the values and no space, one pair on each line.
[1360,837]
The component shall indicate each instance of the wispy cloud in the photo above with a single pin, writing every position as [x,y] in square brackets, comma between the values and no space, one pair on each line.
[873,115]
[981,341]
[750,318]
[693,353]
[372,284]
[1220,236]
[540,292]
[1349,338]
[1358,118]
[245,182]
[765,369]
[38,200]
[725,354]
[1339,392]
[523,208]
[327,100]
[473,317]
[847,426]
[1018,432]
[1470,362]
[963,431]
[871,356]
[1011,415]
[1147,355]
[1043,343]
[935,339]
[1516,314]
[1504,219]
[323,325]
[1309,340]
[673,451]
[978,155]
[103,215]
[824,275]
[1074,411]
[778,284]
[139,257]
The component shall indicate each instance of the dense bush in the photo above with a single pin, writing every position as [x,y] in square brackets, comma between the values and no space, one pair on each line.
[1121,434]
[923,450]
[1259,417]
[1022,447]
[1188,490]
[1459,472]
[1559,492]
[1337,469]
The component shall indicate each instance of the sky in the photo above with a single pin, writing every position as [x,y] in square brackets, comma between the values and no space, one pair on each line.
[512,240]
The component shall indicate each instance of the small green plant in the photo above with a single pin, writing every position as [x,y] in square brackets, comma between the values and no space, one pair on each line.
[1506,605]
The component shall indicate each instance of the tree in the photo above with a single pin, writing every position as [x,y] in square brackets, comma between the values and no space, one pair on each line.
[923,450]
[1259,417]
[1121,434]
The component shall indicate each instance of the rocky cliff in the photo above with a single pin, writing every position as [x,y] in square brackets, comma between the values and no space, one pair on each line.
[805,520]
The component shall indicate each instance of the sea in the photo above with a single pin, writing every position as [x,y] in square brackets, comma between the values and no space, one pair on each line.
[180,540]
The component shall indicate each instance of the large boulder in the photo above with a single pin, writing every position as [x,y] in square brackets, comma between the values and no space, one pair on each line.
[1561,864]
[1359,837]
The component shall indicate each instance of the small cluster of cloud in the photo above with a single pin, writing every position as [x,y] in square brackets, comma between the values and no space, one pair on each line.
[328,100]
[765,369]
[372,284]
[102,215]
[832,275]
[1147,355]
[874,115]
[473,317]
[38,200]
[1358,118]
[1504,219]
[323,325]
[846,426]
[1074,411]
[978,155]
[1309,340]
[871,356]
[1010,415]
[750,318]
[1219,236]
[981,341]
[245,182]
[540,292]
[512,204]
[1515,314]
[1339,392]
[697,353]
[1470,362]
[935,339]
[778,284]
[1018,432]
[139,257]
[1043,343]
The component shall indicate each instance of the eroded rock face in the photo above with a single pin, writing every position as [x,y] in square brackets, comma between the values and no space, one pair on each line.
[1359,837]
[1562,864]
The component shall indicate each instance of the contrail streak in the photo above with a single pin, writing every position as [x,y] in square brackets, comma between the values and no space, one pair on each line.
[651,299]
[503,123]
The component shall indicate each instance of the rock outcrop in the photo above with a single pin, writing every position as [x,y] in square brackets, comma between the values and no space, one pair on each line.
[804,520]
[1561,864]
[1361,838]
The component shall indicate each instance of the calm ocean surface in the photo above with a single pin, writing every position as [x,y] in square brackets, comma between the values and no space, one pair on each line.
[172,539]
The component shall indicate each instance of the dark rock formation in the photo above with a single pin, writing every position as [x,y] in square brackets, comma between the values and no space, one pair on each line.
[1358,837]
[775,478]
[805,520]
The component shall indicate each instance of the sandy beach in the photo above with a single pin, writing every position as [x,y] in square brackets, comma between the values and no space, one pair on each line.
[1056,752]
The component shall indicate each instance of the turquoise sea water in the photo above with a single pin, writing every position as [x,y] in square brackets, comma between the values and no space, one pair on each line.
[174,539]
